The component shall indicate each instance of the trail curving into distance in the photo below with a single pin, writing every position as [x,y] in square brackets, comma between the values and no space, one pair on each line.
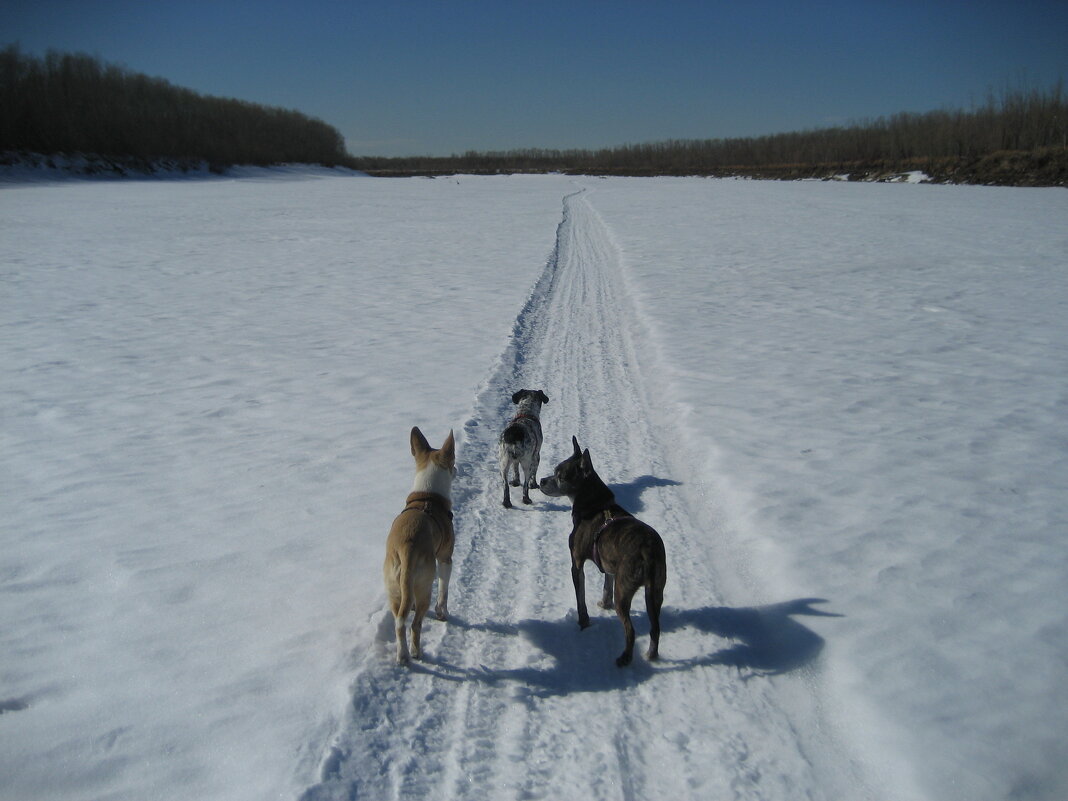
[513,700]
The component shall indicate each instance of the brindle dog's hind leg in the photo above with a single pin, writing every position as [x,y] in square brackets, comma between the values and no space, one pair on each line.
[623,600]
[606,596]
[654,599]
[579,579]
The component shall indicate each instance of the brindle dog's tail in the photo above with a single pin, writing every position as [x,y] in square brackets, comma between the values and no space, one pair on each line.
[655,580]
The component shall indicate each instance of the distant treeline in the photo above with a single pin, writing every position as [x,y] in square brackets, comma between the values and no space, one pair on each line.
[74,103]
[1019,137]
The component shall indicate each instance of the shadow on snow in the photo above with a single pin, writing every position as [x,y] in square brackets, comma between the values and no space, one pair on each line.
[629,495]
[767,641]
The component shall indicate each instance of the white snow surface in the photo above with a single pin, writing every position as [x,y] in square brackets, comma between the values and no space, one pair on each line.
[842,405]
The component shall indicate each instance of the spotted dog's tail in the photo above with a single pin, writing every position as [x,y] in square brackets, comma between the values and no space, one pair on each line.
[513,435]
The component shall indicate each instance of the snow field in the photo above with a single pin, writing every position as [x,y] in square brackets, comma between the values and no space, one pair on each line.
[875,377]
[842,406]
[209,388]
[513,700]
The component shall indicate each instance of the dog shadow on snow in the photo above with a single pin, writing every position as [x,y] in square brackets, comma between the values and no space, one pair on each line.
[768,641]
[760,641]
[764,641]
[628,495]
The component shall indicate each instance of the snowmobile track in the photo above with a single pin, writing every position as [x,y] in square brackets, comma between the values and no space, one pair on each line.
[513,700]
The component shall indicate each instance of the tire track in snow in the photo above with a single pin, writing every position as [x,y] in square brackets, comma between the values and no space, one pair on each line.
[514,701]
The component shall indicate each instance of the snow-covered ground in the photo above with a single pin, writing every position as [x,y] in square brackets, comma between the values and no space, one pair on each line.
[842,405]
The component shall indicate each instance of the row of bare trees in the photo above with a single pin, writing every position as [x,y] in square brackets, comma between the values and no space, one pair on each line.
[74,103]
[1020,120]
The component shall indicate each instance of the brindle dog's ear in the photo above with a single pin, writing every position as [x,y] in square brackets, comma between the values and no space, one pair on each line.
[574,441]
[518,396]
[543,396]
[586,464]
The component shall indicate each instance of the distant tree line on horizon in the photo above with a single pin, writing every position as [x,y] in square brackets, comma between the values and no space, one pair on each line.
[1022,130]
[75,104]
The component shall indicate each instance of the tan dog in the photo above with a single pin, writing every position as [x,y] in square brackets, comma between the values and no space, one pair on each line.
[421,535]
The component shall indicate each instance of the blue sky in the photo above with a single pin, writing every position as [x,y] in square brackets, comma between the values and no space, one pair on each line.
[406,78]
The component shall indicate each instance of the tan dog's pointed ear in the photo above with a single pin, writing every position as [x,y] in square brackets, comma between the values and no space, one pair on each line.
[419,443]
[449,448]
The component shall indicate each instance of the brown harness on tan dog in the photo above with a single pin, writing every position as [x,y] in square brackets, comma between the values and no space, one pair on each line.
[433,506]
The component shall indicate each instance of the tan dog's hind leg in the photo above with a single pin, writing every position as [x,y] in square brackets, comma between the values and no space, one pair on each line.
[400,602]
[402,641]
[441,610]
[417,631]
[422,585]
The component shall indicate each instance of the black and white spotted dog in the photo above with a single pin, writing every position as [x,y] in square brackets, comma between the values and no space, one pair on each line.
[520,443]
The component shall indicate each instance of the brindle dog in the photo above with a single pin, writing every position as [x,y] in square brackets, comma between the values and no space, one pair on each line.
[629,552]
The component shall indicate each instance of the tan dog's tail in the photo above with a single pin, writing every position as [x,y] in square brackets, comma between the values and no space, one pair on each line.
[401,568]
[407,576]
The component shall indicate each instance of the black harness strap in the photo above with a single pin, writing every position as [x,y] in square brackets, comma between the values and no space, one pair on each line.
[425,504]
[595,553]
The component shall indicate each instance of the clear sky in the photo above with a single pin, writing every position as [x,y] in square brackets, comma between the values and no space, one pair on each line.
[422,77]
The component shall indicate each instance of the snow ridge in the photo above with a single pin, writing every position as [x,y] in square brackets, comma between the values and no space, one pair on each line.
[513,701]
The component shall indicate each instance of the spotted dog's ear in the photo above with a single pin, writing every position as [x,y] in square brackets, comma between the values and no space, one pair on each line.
[518,396]
[543,396]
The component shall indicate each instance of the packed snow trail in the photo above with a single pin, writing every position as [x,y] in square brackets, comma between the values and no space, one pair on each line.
[513,700]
